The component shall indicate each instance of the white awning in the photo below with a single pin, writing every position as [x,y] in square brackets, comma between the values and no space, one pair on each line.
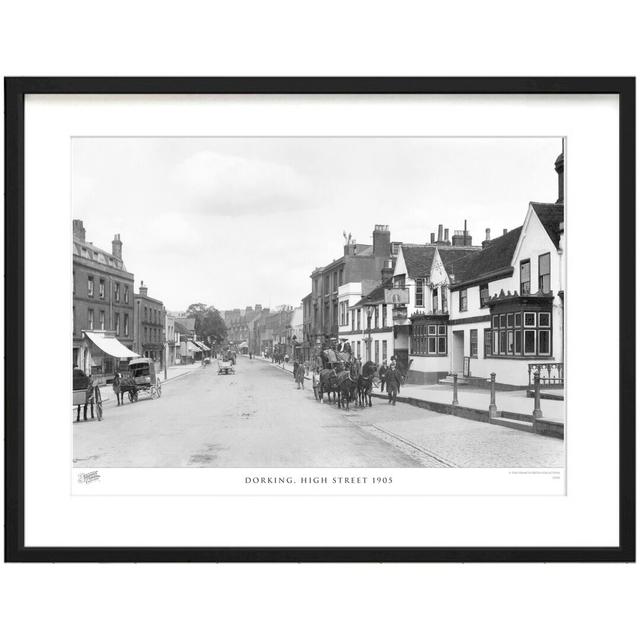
[192,346]
[110,345]
[243,345]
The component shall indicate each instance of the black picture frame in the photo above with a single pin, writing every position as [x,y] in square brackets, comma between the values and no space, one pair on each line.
[15,91]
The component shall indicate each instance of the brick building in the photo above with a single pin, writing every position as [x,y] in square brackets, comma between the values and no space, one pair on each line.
[149,325]
[102,298]
[360,263]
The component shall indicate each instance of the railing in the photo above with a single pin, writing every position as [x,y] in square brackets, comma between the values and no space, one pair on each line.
[551,374]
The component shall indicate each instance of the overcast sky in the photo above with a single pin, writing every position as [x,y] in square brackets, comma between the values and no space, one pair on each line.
[233,222]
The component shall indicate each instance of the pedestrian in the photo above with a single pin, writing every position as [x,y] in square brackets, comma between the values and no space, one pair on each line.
[392,378]
[299,376]
[382,373]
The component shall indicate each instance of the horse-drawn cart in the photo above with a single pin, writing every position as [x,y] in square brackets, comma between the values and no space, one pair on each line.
[225,367]
[86,394]
[142,378]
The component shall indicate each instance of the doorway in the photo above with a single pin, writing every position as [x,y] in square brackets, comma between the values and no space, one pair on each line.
[457,352]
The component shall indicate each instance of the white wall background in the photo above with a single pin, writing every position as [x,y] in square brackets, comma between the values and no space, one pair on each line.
[329,38]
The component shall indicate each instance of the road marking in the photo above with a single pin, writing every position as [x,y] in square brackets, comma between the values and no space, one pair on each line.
[415,450]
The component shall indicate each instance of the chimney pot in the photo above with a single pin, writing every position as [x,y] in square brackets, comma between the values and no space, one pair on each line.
[504,232]
[79,230]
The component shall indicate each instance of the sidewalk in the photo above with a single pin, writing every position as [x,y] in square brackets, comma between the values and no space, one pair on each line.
[512,401]
[177,371]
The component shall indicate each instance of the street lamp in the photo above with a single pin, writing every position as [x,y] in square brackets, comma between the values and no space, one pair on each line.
[370,308]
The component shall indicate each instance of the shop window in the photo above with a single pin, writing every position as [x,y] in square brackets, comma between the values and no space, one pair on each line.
[518,343]
[487,342]
[525,277]
[473,343]
[509,320]
[529,319]
[544,273]
[517,319]
[442,346]
[384,350]
[495,320]
[503,321]
[509,342]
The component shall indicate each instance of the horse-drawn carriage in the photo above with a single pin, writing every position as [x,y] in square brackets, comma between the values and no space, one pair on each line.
[141,378]
[87,394]
[225,367]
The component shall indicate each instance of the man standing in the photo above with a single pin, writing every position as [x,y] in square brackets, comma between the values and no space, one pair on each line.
[382,373]
[392,378]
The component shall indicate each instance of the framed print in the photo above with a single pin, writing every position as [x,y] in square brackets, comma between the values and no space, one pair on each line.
[320,319]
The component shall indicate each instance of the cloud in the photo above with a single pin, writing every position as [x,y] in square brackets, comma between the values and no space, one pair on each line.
[221,184]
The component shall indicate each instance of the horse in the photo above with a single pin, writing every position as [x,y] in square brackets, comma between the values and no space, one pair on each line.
[329,382]
[347,389]
[117,388]
[365,383]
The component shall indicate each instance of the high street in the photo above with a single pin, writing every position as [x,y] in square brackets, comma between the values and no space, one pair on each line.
[258,418]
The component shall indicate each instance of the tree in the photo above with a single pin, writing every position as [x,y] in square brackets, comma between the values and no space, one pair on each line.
[208,322]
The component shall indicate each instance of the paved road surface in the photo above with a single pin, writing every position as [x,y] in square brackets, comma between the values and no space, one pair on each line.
[257,418]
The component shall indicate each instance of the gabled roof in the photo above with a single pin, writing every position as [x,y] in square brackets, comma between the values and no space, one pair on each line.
[451,256]
[418,259]
[551,216]
[495,257]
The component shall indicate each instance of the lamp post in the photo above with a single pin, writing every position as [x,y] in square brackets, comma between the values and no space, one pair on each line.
[370,309]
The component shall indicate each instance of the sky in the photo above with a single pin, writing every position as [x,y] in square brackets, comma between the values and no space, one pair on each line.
[234,222]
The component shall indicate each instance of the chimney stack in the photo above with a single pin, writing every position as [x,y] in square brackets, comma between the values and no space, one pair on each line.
[560,171]
[433,238]
[381,241]
[143,290]
[488,234]
[439,233]
[446,235]
[504,232]
[79,231]
[116,247]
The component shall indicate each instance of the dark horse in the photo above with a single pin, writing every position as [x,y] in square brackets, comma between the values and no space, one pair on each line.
[329,382]
[347,388]
[365,383]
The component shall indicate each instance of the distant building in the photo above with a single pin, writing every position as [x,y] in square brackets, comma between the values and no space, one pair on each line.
[149,325]
[361,264]
[102,300]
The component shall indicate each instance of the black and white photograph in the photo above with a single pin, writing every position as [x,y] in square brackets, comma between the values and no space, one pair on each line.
[274,303]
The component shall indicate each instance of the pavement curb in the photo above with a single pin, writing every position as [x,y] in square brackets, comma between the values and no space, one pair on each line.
[180,375]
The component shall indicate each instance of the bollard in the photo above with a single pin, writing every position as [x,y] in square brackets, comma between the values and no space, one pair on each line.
[537,412]
[493,410]
[455,389]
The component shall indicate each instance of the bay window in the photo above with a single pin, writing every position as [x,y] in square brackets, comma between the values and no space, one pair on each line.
[519,334]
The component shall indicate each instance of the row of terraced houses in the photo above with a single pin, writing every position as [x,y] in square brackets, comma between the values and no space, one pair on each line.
[448,306]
